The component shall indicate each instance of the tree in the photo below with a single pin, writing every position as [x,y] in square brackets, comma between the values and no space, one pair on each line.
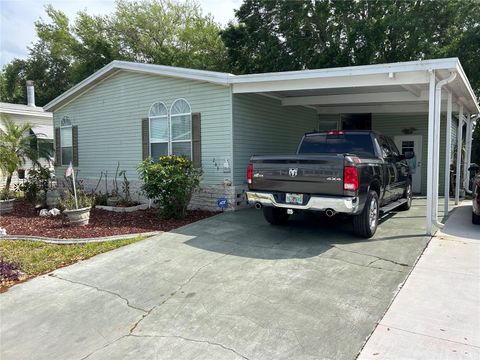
[15,148]
[158,31]
[277,35]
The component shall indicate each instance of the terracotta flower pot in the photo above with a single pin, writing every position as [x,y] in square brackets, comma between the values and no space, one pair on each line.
[6,206]
[78,217]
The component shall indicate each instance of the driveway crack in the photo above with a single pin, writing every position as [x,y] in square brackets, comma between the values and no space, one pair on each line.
[147,312]
[377,258]
[101,290]
[195,341]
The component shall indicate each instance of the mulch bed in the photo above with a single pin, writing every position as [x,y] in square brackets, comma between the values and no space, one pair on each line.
[25,221]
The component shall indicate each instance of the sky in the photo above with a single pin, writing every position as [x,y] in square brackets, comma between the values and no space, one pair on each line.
[17,17]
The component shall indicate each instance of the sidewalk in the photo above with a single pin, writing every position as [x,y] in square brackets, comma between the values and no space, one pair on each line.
[436,315]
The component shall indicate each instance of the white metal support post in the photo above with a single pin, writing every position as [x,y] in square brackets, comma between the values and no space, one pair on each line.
[431,136]
[468,141]
[448,153]
[458,172]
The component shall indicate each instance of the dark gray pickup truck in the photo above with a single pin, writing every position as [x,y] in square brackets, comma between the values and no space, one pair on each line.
[359,173]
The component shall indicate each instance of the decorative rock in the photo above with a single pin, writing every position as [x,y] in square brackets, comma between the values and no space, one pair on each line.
[54,212]
[3,232]
[44,213]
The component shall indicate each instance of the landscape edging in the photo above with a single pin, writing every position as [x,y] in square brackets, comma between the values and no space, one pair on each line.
[58,241]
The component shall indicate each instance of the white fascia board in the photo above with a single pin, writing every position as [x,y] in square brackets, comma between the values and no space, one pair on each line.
[350,81]
[44,114]
[401,67]
[474,106]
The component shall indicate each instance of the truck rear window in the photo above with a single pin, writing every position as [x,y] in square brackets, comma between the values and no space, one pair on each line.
[338,143]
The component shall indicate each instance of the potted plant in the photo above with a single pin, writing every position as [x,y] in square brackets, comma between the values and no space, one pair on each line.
[77,210]
[6,201]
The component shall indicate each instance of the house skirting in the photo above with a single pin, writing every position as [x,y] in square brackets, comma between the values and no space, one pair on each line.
[206,198]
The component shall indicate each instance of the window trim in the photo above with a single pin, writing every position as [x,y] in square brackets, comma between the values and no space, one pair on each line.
[63,126]
[171,141]
[150,142]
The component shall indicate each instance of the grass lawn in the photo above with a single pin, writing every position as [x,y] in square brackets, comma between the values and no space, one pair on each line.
[37,258]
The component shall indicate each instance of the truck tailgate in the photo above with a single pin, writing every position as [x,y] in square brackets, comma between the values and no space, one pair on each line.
[305,174]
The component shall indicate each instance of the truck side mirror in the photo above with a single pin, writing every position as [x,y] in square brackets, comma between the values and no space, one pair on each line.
[409,155]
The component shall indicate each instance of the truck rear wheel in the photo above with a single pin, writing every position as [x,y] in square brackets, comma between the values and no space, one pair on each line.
[275,216]
[365,224]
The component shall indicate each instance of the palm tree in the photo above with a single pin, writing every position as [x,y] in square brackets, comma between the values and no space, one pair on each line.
[15,148]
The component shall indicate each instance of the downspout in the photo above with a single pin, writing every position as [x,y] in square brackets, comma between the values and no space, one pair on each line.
[436,153]
[448,154]
[468,155]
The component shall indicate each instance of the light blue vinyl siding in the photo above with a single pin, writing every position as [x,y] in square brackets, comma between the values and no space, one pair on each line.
[109,121]
[262,126]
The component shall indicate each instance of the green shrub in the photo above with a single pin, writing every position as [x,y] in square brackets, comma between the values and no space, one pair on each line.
[36,186]
[170,182]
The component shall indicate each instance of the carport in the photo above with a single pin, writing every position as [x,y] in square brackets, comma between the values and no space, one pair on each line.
[437,92]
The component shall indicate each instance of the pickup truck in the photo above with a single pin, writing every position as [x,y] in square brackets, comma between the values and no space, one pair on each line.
[354,172]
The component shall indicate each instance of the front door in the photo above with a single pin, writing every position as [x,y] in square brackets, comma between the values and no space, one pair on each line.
[412,143]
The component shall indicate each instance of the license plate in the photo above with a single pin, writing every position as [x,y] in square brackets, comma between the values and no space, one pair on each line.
[294,198]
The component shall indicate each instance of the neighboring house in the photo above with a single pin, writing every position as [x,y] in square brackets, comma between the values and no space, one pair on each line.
[128,111]
[42,122]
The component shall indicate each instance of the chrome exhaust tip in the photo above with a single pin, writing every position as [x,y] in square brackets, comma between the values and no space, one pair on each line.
[330,212]
[258,206]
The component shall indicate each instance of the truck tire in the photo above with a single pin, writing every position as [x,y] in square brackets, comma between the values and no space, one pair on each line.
[275,216]
[407,195]
[475,219]
[365,224]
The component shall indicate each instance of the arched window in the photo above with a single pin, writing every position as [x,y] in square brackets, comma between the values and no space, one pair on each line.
[66,140]
[181,128]
[159,130]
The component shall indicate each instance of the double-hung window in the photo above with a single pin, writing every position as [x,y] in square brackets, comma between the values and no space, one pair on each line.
[181,128]
[159,130]
[170,134]
[66,141]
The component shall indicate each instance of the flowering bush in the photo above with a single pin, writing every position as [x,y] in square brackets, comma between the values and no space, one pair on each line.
[170,182]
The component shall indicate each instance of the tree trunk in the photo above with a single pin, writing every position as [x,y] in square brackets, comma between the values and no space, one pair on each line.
[8,182]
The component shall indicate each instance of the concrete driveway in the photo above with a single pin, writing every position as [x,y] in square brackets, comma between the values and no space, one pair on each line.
[228,287]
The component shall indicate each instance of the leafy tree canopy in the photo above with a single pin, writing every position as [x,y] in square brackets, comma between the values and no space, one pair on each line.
[157,31]
[276,35]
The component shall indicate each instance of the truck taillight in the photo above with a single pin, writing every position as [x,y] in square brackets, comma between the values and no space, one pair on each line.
[350,178]
[249,173]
